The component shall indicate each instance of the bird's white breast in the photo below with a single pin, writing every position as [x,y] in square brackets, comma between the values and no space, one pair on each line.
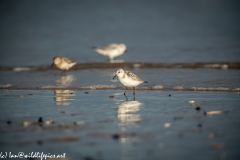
[128,82]
[66,66]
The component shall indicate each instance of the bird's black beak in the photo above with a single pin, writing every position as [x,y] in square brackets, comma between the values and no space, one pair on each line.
[114,76]
[52,65]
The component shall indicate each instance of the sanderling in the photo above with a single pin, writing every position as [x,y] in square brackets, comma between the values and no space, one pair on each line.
[63,63]
[111,50]
[128,79]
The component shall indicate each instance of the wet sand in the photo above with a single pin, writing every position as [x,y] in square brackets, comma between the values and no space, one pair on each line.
[103,125]
[132,65]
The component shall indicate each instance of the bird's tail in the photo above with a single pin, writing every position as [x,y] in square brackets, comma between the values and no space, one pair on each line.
[145,82]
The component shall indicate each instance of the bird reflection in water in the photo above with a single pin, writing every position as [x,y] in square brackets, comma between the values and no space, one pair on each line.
[63,97]
[64,80]
[127,113]
[128,117]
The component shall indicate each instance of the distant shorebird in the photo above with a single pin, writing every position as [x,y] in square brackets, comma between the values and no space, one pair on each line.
[128,79]
[63,63]
[111,50]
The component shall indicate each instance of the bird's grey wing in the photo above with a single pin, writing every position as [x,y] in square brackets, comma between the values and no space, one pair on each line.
[133,76]
[108,47]
[68,60]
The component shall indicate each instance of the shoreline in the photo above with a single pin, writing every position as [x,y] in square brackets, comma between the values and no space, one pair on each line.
[108,65]
[193,89]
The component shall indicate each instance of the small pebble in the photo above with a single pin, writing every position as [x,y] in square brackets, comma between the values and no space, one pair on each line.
[50,121]
[116,136]
[78,123]
[192,101]
[39,142]
[9,122]
[27,123]
[198,108]
[211,135]
[167,125]
[169,95]
[212,112]
[112,96]
[218,146]
[86,92]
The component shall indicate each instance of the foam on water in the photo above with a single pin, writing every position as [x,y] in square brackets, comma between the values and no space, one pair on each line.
[221,66]
[113,87]
[158,87]
[210,89]
[178,88]
[101,79]
[93,87]
[51,87]
[5,86]
[236,89]
[20,69]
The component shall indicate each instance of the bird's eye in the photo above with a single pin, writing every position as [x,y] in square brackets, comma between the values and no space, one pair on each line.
[118,71]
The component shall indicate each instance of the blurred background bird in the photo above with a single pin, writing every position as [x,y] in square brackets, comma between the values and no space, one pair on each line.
[63,63]
[111,50]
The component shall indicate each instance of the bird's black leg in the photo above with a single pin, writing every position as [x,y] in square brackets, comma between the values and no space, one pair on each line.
[126,97]
[63,72]
[125,94]
[125,91]
[134,93]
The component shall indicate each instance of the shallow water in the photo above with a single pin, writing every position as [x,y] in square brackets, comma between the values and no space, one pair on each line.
[155,126]
[159,79]
[32,33]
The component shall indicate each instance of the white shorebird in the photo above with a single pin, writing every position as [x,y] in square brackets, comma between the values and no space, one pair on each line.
[63,63]
[128,79]
[111,50]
